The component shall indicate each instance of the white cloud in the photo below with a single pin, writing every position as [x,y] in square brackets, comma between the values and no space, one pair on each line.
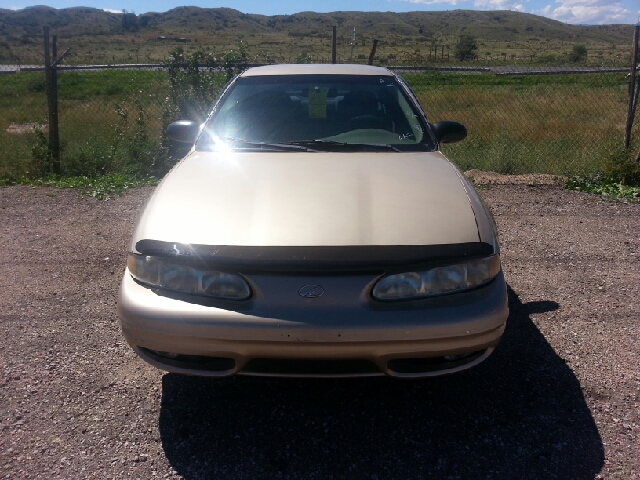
[479,4]
[570,11]
[434,2]
[112,10]
[546,10]
[498,5]
[587,11]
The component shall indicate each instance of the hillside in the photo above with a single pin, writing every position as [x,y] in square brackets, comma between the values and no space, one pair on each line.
[99,36]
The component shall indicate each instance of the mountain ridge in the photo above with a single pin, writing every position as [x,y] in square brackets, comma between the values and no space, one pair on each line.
[504,33]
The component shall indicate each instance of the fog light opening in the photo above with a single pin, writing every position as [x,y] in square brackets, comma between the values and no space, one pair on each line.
[454,358]
[190,362]
[170,355]
[430,365]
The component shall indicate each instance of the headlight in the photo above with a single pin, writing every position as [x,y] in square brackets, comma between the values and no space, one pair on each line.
[168,274]
[438,280]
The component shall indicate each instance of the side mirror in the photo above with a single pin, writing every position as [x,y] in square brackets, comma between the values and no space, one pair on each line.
[449,132]
[183,131]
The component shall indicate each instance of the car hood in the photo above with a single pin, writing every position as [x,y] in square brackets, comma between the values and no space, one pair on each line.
[310,199]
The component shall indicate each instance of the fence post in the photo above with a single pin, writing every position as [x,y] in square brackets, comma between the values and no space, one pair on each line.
[373,51]
[334,46]
[52,100]
[632,87]
[54,132]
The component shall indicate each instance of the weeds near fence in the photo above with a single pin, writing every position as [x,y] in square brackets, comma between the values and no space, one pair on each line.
[619,178]
[42,159]
[103,187]
[601,185]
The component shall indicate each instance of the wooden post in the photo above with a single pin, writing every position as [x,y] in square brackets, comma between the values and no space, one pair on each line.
[632,87]
[334,46]
[52,100]
[47,67]
[373,51]
[54,132]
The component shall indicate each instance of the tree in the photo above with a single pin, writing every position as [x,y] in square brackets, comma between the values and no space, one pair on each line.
[466,47]
[578,54]
[129,21]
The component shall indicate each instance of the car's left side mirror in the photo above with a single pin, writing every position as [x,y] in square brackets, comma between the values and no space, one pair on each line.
[449,132]
[183,131]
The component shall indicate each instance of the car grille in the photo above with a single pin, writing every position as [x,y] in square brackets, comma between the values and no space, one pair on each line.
[310,367]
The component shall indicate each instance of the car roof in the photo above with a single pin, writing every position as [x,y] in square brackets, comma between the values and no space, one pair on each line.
[316,69]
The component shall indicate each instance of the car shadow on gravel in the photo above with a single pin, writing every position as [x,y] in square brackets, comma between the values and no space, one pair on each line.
[520,414]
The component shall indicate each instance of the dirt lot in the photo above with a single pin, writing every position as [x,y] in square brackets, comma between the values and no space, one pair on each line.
[560,398]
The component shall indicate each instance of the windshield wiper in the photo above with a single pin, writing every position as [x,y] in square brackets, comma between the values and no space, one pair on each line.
[321,143]
[277,147]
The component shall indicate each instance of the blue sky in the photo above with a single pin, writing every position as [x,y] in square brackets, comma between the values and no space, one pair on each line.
[570,11]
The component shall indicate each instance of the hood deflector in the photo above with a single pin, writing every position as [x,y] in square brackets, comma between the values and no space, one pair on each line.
[321,259]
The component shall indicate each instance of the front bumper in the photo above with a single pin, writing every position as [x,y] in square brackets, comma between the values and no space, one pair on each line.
[340,334]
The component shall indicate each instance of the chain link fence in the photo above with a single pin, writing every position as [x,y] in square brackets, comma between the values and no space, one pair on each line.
[558,120]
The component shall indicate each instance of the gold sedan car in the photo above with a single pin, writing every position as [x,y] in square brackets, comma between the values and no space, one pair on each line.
[314,229]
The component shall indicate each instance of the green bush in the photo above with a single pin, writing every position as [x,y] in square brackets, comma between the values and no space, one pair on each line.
[41,157]
[619,177]
[36,84]
[578,54]
[621,167]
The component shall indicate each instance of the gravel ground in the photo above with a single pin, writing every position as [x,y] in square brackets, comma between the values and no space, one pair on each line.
[560,397]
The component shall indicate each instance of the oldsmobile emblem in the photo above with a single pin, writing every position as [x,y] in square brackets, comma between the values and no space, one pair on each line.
[311,291]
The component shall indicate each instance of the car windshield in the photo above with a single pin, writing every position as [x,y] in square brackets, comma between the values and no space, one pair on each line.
[316,112]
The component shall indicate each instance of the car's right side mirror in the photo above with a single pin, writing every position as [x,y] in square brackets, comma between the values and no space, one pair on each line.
[449,132]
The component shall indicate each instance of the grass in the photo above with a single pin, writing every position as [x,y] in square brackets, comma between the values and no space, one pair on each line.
[111,121]
[91,108]
[556,124]
[619,178]
[101,187]
[604,186]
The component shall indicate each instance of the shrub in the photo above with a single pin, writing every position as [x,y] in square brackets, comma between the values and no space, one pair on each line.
[466,47]
[621,167]
[619,177]
[578,54]
[41,156]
